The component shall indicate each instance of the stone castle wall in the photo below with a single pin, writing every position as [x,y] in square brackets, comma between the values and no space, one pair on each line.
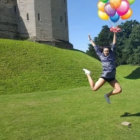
[8,19]
[59,19]
[43,20]
[38,20]
[26,19]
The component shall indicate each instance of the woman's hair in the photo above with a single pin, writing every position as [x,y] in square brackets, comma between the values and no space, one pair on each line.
[103,47]
[108,47]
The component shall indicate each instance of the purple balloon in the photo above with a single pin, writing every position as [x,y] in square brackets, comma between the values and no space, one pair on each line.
[109,10]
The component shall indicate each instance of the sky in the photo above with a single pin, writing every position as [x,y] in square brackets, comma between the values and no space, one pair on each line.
[83,20]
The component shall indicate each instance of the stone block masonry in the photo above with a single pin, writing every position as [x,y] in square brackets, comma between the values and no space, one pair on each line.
[44,21]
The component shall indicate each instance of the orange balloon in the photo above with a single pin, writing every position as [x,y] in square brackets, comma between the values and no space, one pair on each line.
[115,3]
[127,15]
[101,6]
[103,15]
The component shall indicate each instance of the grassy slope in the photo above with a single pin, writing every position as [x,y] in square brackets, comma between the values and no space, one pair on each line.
[74,114]
[28,67]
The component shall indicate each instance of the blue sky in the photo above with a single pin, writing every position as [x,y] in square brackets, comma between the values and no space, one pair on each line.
[83,20]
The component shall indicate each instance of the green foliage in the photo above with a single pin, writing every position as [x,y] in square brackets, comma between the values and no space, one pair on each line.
[105,37]
[26,67]
[91,52]
[128,42]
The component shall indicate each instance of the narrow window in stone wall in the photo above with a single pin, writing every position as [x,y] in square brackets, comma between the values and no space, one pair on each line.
[39,17]
[61,19]
[15,9]
[65,19]
[27,16]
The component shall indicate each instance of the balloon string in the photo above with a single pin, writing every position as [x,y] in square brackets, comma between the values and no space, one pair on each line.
[111,23]
[115,24]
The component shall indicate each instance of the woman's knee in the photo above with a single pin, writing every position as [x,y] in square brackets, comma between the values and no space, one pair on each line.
[94,89]
[119,90]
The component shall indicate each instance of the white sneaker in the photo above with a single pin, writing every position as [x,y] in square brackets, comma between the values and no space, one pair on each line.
[107,99]
[86,71]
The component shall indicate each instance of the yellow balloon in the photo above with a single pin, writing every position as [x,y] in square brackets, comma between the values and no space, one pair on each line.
[115,3]
[101,6]
[103,15]
[127,15]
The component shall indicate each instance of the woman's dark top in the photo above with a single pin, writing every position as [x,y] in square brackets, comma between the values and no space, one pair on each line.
[108,62]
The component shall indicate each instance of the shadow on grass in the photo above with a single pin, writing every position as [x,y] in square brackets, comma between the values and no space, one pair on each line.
[127,114]
[134,75]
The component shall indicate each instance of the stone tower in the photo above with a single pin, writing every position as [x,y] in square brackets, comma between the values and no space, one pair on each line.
[8,19]
[44,21]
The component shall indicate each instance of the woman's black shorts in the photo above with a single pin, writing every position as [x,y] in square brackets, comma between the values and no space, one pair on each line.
[108,79]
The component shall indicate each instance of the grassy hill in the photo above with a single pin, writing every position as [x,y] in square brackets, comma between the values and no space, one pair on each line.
[74,114]
[71,112]
[27,67]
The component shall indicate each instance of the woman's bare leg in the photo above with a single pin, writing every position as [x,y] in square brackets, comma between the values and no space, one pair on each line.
[95,86]
[116,86]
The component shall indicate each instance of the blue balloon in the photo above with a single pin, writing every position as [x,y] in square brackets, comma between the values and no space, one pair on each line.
[115,18]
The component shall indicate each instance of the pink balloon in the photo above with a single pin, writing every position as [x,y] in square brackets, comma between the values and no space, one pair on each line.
[124,7]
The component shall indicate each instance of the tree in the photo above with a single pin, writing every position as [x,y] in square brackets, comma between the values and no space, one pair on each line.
[105,37]
[127,50]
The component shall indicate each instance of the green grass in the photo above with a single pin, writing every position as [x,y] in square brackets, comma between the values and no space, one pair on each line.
[73,114]
[45,96]
[28,67]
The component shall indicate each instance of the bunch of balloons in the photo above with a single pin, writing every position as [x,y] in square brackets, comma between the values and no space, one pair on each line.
[115,9]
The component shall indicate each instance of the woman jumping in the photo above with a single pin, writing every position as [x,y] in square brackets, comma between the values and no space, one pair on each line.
[107,58]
